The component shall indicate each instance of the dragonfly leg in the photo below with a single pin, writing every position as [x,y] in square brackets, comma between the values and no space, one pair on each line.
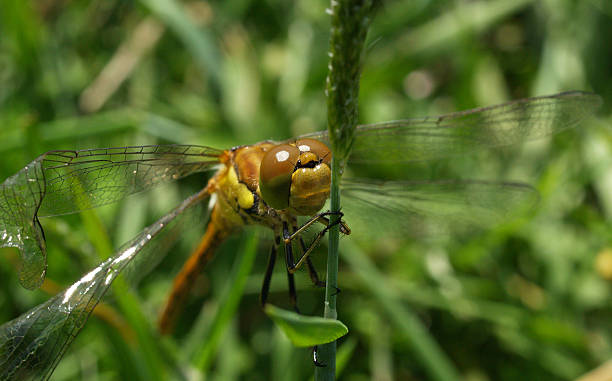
[321,218]
[288,247]
[312,272]
[294,266]
[289,259]
[344,229]
[265,287]
[292,292]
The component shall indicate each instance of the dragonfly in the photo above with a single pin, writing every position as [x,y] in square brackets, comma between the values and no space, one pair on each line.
[267,183]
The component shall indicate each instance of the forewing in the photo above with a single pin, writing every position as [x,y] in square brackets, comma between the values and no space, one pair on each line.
[461,132]
[33,344]
[60,182]
[78,180]
[430,208]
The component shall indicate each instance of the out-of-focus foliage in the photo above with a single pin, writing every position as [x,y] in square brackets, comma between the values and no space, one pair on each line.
[531,299]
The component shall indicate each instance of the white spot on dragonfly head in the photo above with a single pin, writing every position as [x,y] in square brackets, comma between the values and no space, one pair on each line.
[83,281]
[282,156]
[304,148]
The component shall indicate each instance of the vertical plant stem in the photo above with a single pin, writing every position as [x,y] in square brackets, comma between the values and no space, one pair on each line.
[327,352]
[350,20]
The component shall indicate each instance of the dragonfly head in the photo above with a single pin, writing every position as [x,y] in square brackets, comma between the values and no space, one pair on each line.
[296,176]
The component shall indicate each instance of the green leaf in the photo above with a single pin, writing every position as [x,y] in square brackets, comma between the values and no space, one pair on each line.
[306,331]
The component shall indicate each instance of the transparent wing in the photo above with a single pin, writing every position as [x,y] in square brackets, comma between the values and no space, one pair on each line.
[77,180]
[461,132]
[430,208]
[32,344]
[60,182]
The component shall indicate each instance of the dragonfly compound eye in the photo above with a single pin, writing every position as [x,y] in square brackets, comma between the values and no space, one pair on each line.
[316,147]
[275,172]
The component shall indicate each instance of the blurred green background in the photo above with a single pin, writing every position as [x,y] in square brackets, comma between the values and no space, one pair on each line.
[530,299]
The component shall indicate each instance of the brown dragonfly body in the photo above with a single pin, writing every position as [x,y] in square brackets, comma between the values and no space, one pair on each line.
[239,202]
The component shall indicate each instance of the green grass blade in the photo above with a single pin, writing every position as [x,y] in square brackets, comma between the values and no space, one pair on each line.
[231,299]
[349,27]
[434,360]
[197,40]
